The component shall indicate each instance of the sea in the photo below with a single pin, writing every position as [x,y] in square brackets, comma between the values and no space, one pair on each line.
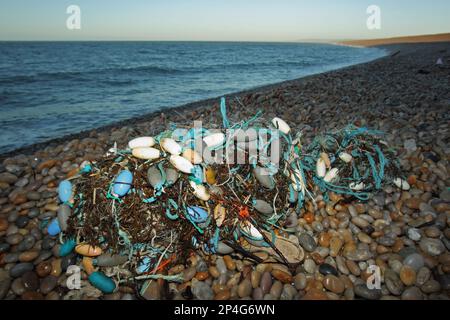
[51,89]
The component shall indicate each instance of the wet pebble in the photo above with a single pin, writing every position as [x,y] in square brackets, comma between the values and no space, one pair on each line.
[266,282]
[362,291]
[20,268]
[334,284]
[244,288]
[433,247]
[327,269]
[415,261]
[30,281]
[412,293]
[48,284]
[307,242]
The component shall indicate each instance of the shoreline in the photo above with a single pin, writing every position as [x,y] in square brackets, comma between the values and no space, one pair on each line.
[26,150]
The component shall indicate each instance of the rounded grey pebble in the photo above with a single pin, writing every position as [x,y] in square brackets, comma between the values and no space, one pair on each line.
[43,255]
[27,243]
[307,242]
[20,268]
[412,293]
[433,247]
[362,291]
[11,257]
[33,213]
[414,261]
[34,196]
[48,243]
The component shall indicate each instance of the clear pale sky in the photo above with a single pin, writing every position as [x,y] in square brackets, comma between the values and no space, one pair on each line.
[221,20]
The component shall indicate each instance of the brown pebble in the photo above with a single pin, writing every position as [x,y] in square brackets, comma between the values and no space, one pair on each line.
[282,276]
[335,246]
[229,262]
[223,295]
[56,268]
[3,224]
[32,295]
[353,267]
[255,278]
[214,272]
[324,239]
[202,275]
[43,269]
[407,275]
[28,256]
[334,284]
[315,294]
[244,288]
[413,203]
[46,165]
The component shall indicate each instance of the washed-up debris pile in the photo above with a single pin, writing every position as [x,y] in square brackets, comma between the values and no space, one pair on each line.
[237,189]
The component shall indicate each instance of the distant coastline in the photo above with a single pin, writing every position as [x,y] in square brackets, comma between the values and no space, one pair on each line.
[441,37]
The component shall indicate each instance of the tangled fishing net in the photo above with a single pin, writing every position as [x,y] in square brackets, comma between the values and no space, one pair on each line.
[191,188]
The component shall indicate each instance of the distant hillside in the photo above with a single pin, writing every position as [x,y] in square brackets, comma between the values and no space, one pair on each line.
[442,37]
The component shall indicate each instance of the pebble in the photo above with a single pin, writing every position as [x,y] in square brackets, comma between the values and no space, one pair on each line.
[229,262]
[393,282]
[307,242]
[20,268]
[414,234]
[245,288]
[221,266]
[276,290]
[412,293]
[30,281]
[431,286]
[300,281]
[407,275]
[255,278]
[327,269]
[315,294]
[423,275]
[14,239]
[288,292]
[266,282]
[28,256]
[309,265]
[27,243]
[151,291]
[334,284]
[4,287]
[335,246]
[415,261]
[48,284]
[353,267]
[43,269]
[362,291]
[223,295]
[31,295]
[282,276]
[17,287]
[201,290]
[433,247]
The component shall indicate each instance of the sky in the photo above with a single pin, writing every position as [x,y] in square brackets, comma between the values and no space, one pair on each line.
[220,20]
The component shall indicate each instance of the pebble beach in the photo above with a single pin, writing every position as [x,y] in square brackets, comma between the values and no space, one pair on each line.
[405,232]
